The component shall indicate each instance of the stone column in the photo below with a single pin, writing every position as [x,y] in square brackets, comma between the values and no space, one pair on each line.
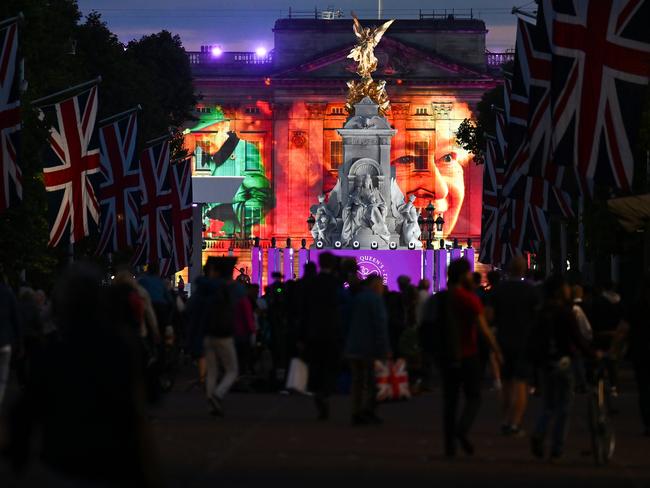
[315,161]
[280,177]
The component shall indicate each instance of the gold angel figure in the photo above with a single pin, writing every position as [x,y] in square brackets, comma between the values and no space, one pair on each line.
[364,52]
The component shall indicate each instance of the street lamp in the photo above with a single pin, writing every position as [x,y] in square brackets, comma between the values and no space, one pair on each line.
[429,223]
[439,223]
[421,220]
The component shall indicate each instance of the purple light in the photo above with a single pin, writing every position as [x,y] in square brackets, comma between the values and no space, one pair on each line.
[216,51]
[261,52]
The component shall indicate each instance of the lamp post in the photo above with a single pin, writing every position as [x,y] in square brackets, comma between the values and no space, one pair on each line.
[429,223]
[439,223]
[421,221]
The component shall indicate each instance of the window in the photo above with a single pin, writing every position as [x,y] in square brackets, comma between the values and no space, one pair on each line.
[252,216]
[337,111]
[202,153]
[421,111]
[252,156]
[203,110]
[252,110]
[421,150]
[336,154]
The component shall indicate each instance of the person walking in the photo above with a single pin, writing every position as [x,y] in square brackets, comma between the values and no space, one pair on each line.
[553,344]
[225,303]
[9,332]
[159,294]
[82,409]
[367,341]
[606,316]
[320,336]
[453,320]
[513,305]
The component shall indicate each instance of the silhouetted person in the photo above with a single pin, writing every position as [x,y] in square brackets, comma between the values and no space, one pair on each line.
[513,304]
[160,296]
[220,302]
[10,334]
[321,330]
[85,395]
[454,319]
[553,344]
[366,342]
[606,316]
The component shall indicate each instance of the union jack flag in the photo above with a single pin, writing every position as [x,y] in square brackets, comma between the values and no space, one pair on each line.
[531,175]
[154,239]
[11,186]
[492,174]
[601,51]
[71,159]
[392,380]
[119,192]
[180,179]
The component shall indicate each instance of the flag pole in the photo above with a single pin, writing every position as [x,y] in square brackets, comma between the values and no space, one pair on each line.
[581,234]
[18,18]
[107,120]
[157,139]
[81,86]
[547,251]
[523,13]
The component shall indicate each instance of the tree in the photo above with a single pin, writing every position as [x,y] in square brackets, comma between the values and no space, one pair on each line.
[62,50]
[471,132]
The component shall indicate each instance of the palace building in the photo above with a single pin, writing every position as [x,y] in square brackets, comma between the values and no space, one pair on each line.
[271,119]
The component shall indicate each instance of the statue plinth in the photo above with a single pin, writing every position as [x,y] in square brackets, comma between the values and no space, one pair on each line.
[366,206]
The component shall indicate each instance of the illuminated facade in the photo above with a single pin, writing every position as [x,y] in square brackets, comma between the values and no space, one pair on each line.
[272,118]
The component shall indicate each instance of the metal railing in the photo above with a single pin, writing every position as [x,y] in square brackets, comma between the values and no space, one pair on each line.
[447,14]
[496,60]
[327,14]
[228,57]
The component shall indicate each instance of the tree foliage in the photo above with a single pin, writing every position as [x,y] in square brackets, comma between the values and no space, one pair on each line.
[61,49]
[471,132]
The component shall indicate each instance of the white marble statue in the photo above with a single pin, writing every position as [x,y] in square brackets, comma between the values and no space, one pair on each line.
[365,209]
[325,222]
[410,228]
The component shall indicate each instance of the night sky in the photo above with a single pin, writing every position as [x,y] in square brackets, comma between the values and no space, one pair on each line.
[244,25]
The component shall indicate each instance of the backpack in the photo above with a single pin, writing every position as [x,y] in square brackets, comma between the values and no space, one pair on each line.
[439,332]
[218,314]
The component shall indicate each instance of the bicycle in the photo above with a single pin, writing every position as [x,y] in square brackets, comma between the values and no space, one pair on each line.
[603,438]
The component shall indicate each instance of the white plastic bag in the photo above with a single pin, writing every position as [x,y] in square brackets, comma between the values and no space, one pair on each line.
[298,375]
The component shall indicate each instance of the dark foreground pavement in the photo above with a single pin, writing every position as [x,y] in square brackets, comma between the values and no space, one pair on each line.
[274,440]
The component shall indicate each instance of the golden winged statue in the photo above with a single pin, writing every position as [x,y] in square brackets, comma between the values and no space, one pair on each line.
[364,54]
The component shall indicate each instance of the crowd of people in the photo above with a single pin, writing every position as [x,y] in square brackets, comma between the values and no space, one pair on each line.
[523,334]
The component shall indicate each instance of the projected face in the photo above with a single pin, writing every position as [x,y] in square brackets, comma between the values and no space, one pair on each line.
[443,184]
[220,152]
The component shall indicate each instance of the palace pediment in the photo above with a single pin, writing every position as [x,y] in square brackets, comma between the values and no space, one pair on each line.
[396,60]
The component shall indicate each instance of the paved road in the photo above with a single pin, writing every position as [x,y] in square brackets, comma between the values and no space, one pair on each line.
[274,440]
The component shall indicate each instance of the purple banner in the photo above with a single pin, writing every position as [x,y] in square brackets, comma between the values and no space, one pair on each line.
[287,263]
[455,254]
[303,258]
[468,254]
[272,263]
[440,270]
[389,264]
[256,264]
